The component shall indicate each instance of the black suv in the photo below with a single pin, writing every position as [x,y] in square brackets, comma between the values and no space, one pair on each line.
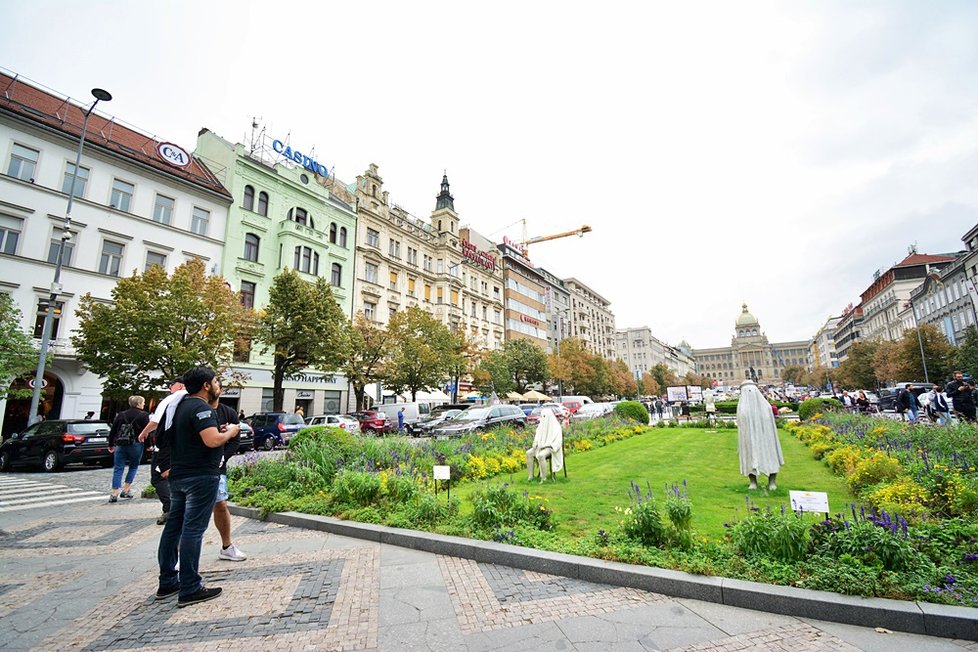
[52,444]
[479,418]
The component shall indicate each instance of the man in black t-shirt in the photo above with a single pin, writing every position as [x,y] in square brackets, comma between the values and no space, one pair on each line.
[196,452]
[960,394]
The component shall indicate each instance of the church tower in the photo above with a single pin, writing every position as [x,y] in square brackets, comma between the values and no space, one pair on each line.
[444,218]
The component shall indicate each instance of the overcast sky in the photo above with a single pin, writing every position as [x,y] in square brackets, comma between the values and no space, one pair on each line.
[773,153]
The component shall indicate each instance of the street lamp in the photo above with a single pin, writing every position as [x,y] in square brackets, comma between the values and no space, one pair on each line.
[560,332]
[920,341]
[100,96]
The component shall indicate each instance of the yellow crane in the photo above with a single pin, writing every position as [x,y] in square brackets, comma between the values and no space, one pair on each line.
[543,238]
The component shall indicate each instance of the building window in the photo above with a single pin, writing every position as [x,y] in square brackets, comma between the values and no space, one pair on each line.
[394,249]
[263,203]
[155,258]
[373,238]
[200,220]
[81,180]
[410,290]
[441,266]
[56,243]
[249,198]
[332,232]
[247,294]
[23,162]
[42,305]
[9,234]
[111,258]
[440,295]
[251,245]
[472,311]
[369,310]
[371,272]
[336,275]
[342,236]
[427,262]
[393,281]
[163,210]
[455,298]
[122,192]
[306,261]
[427,292]
[242,349]
[301,216]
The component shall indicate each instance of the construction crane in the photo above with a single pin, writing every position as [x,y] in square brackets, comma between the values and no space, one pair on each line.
[543,238]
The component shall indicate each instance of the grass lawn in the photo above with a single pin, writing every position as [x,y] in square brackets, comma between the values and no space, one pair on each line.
[598,480]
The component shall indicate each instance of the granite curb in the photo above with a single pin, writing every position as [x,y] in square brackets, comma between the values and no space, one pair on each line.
[931,619]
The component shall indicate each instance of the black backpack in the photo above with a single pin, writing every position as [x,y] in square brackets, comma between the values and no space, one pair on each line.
[126,435]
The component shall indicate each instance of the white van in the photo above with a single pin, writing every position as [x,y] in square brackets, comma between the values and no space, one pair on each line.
[583,399]
[413,412]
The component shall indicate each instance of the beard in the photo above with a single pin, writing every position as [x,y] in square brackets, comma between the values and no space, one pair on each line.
[213,394]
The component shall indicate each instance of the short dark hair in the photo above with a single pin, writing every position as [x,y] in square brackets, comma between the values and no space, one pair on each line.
[178,379]
[194,379]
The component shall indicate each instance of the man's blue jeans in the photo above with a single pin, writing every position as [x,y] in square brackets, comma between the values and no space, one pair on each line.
[191,505]
[130,454]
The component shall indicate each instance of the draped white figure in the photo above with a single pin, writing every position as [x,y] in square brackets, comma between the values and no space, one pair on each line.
[547,442]
[757,436]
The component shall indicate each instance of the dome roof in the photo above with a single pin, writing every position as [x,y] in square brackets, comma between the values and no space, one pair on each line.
[746,319]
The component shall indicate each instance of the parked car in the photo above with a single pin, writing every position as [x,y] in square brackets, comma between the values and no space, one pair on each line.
[888,395]
[537,413]
[275,428]
[373,422]
[247,441]
[50,445]
[573,406]
[426,426]
[481,418]
[592,411]
[350,424]
[528,407]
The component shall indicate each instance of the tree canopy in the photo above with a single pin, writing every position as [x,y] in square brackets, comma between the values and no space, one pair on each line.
[302,327]
[422,352]
[18,357]
[158,326]
[363,348]
[526,362]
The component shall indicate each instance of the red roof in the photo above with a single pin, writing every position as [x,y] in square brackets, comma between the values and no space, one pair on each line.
[924,259]
[46,108]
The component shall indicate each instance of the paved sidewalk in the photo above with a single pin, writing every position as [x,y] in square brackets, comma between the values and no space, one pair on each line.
[82,577]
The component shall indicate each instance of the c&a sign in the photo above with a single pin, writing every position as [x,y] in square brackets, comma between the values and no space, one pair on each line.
[308,163]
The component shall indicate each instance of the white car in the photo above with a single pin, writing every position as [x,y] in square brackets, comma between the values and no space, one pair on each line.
[592,411]
[336,421]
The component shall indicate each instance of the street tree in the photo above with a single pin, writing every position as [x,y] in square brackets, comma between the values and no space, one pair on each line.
[364,348]
[527,363]
[621,380]
[650,386]
[939,353]
[968,353]
[888,364]
[492,375]
[422,351]
[572,363]
[793,374]
[302,326]
[158,326]
[857,371]
[18,357]
[664,376]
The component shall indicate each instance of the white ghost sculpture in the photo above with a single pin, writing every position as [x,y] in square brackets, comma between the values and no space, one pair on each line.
[757,436]
[547,442]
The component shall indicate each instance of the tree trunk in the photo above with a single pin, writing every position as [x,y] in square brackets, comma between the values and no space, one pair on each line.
[278,392]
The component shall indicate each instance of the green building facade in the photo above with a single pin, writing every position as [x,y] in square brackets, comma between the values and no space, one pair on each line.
[282,216]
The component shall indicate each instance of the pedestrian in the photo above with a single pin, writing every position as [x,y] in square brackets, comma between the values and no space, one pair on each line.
[400,420]
[909,403]
[159,464]
[658,408]
[196,450]
[222,515]
[862,403]
[962,398]
[241,416]
[300,411]
[847,401]
[938,406]
[125,446]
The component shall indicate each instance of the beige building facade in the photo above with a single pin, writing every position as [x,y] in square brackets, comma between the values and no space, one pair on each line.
[641,350]
[591,319]
[750,355]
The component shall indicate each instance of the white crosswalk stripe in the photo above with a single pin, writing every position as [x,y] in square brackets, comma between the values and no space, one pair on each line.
[18,494]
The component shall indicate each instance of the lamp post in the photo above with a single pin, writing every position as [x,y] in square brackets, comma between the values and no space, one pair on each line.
[100,96]
[920,340]
[453,325]
[560,332]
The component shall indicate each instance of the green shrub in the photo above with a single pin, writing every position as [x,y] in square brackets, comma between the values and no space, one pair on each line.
[632,410]
[872,470]
[149,491]
[878,540]
[814,406]
[779,535]
[498,506]
[356,487]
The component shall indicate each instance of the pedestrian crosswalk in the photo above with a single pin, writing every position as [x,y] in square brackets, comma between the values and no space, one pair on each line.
[21,493]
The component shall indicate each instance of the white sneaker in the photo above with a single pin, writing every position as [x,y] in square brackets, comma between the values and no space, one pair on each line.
[232,553]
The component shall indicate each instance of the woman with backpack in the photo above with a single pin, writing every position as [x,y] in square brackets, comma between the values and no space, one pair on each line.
[125,446]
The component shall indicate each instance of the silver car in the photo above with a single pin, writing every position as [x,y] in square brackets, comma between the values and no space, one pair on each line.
[335,421]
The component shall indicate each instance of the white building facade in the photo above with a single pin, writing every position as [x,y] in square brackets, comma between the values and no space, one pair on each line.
[138,202]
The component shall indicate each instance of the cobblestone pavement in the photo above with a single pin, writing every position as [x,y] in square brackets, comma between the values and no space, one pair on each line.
[83,577]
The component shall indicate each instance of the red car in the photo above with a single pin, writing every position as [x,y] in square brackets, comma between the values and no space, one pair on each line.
[373,421]
[573,406]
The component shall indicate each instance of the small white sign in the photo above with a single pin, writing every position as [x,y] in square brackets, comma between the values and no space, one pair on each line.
[809,501]
[676,394]
[443,473]
[174,154]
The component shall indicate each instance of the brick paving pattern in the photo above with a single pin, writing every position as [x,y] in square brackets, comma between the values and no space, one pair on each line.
[18,589]
[488,597]
[44,537]
[799,637]
[324,600]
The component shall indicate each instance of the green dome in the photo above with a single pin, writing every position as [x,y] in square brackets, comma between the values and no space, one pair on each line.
[746,319]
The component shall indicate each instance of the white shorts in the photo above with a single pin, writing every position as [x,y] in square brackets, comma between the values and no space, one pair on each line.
[222,489]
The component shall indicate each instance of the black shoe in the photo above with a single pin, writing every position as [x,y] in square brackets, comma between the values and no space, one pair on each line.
[203,595]
[125,494]
[162,594]
[113,499]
